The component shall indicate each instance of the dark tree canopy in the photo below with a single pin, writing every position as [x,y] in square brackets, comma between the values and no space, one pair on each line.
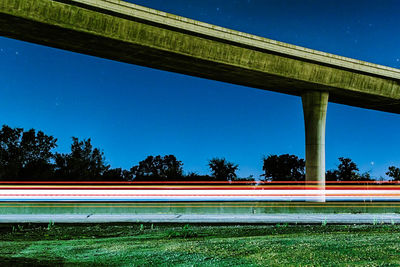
[83,163]
[347,171]
[222,170]
[394,173]
[25,155]
[117,174]
[193,176]
[284,168]
[28,155]
[158,168]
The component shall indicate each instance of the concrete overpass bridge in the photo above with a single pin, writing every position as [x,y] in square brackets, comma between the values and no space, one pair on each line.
[134,34]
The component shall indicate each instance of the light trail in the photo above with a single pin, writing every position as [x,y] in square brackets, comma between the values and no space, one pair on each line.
[198,191]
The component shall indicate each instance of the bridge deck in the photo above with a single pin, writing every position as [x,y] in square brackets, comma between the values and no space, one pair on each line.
[129,33]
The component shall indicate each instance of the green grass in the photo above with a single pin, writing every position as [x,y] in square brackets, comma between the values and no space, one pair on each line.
[188,245]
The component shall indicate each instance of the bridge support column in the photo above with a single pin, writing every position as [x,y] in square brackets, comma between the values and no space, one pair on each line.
[315,104]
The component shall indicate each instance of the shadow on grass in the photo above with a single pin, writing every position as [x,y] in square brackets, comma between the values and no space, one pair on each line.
[36,232]
[21,261]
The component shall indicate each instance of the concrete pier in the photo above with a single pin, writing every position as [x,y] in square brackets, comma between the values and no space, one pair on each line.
[315,104]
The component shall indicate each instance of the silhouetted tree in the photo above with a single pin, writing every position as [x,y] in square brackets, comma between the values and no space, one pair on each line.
[394,173]
[158,168]
[284,168]
[83,163]
[25,155]
[223,170]
[347,171]
[250,179]
[117,174]
[192,176]
[331,175]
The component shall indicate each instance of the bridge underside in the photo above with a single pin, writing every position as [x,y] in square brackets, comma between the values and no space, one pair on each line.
[129,33]
[117,36]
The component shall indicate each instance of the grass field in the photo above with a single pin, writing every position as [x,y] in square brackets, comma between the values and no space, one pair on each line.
[194,245]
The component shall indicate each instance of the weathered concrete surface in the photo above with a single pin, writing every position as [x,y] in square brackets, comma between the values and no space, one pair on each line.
[199,208]
[315,104]
[321,218]
[129,33]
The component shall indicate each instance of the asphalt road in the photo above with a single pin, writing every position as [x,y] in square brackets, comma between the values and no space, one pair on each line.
[387,218]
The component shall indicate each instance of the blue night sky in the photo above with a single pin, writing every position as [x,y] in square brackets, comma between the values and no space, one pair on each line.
[131,112]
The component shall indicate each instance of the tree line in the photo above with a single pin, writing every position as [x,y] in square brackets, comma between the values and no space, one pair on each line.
[28,156]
